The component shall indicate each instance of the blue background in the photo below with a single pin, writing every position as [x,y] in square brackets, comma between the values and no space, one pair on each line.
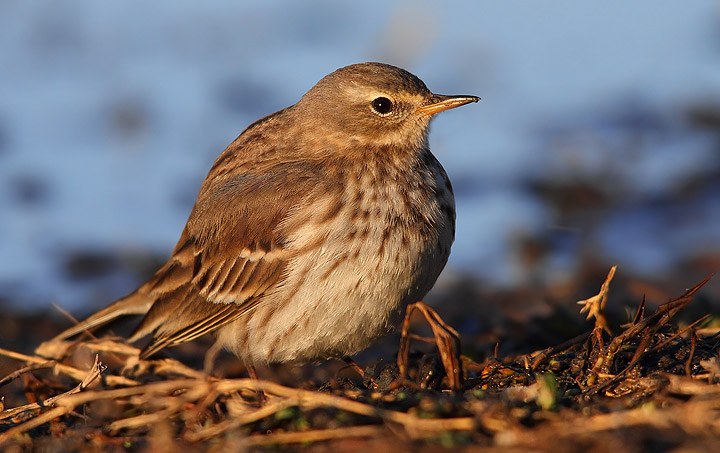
[594,140]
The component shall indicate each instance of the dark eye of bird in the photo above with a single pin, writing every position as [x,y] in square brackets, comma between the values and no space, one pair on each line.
[382,105]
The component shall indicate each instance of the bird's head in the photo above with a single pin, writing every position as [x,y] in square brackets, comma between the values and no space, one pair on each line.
[374,103]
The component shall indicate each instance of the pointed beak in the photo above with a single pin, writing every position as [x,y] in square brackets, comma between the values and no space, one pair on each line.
[440,102]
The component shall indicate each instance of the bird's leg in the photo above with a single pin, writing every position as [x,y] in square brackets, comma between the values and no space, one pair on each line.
[252,372]
[254,376]
[211,356]
[209,363]
[446,338]
[353,364]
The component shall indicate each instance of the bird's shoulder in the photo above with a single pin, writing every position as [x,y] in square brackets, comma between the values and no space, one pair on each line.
[236,238]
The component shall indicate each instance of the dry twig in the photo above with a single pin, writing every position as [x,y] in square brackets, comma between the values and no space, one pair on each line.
[57,401]
[595,305]
[73,372]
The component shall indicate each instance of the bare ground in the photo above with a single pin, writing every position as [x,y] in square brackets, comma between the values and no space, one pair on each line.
[643,380]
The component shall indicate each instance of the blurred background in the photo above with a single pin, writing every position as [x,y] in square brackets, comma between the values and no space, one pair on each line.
[597,140]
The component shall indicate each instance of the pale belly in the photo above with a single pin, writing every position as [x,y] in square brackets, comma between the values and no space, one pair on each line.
[343,294]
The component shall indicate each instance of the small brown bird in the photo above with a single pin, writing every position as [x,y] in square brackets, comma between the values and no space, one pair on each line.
[312,230]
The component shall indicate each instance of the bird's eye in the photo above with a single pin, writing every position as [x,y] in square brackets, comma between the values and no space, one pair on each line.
[382,105]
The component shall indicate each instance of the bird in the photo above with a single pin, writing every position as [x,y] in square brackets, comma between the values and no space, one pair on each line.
[312,230]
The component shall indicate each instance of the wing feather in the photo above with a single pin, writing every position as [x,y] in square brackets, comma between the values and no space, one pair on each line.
[232,252]
[234,248]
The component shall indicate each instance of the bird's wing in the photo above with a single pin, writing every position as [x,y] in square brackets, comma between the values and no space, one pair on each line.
[232,251]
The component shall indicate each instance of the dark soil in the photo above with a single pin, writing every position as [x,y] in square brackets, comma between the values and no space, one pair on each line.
[535,377]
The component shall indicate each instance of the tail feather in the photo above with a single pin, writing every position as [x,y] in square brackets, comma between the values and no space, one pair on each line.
[137,303]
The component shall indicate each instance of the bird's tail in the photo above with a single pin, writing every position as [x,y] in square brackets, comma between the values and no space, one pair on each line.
[137,303]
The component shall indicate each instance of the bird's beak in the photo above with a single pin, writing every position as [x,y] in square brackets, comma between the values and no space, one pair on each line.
[440,102]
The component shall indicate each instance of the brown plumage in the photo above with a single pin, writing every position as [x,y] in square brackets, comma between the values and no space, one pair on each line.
[312,230]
